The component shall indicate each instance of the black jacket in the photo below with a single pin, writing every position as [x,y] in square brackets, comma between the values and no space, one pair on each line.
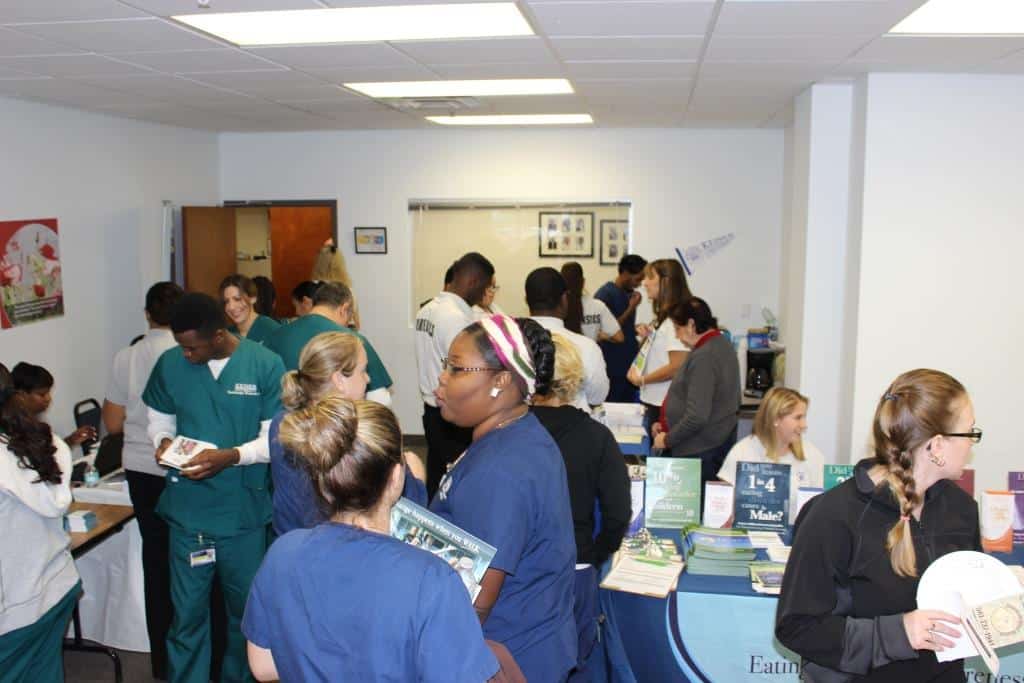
[596,471]
[842,605]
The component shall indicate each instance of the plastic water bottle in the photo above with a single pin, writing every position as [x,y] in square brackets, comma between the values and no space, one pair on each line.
[92,475]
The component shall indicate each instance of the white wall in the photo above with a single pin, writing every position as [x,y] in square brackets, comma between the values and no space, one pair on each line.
[814,256]
[941,244]
[685,186]
[103,178]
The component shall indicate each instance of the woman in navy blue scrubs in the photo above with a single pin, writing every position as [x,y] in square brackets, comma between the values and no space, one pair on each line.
[344,601]
[509,488]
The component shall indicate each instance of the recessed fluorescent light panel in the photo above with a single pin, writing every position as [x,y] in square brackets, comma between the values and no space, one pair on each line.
[964,17]
[513,120]
[489,88]
[363,24]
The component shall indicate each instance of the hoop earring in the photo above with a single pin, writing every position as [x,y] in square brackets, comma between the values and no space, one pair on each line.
[495,391]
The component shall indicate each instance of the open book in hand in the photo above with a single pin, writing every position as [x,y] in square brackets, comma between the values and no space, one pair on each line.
[465,553]
[181,450]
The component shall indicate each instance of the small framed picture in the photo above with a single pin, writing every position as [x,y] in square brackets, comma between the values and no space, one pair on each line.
[614,241]
[565,233]
[371,240]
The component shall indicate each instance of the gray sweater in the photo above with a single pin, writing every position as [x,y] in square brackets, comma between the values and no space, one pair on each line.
[36,569]
[703,399]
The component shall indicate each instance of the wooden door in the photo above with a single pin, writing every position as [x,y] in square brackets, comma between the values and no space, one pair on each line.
[296,235]
[208,240]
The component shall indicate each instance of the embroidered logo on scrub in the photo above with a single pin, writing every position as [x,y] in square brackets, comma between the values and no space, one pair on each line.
[245,390]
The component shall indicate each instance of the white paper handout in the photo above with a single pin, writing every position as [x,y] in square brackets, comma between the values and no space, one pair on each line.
[975,576]
[181,450]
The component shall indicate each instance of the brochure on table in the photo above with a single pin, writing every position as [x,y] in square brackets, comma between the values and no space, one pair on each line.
[672,500]
[762,496]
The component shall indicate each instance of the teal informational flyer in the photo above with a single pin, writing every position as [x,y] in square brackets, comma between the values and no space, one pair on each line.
[673,492]
[836,475]
[762,496]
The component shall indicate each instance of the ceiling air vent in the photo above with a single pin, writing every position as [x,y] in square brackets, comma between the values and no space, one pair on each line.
[434,104]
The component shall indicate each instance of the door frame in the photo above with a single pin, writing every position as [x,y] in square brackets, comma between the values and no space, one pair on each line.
[332,204]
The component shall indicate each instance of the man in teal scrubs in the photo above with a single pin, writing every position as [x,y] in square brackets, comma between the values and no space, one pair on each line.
[332,309]
[216,388]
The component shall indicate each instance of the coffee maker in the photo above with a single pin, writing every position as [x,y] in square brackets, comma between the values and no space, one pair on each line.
[760,372]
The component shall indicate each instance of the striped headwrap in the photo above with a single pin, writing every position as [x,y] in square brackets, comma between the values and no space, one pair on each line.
[507,340]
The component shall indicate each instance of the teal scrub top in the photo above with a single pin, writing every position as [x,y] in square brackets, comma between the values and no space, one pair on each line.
[289,340]
[226,411]
[262,327]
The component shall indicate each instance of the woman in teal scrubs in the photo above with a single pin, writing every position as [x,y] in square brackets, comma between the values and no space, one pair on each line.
[39,584]
[239,295]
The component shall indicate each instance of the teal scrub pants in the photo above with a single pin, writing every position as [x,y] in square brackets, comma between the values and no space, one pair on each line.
[33,653]
[188,641]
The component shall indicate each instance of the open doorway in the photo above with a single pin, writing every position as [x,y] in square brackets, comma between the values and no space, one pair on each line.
[278,240]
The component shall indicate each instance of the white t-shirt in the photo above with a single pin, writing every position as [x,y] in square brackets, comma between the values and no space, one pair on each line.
[597,318]
[654,352]
[595,374]
[808,472]
[437,324]
[128,378]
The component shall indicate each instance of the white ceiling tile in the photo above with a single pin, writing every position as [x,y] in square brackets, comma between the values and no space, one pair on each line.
[484,71]
[938,51]
[7,72]
[359,74]
[1011,64]
[197,61]
[328,56]
[548,104]
[56,89]
[623,19]
[666,104]
[235,80]
[769,89]
[14,44]
[125,35]
[632,87]
[638,119]
[160,86]
[530,50]
[741,106]
[331,108]
[808,48]
[803,17]
[628,48]
[167,8]
[638,69]
[71,65]
[21,11]
[766,70]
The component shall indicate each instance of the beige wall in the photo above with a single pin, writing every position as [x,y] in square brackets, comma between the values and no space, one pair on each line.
[252,226]
[507,237]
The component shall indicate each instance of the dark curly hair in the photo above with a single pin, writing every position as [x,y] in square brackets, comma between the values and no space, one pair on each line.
[30,440]
[540,346]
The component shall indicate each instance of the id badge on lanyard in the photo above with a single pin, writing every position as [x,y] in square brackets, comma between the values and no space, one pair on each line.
[201,558]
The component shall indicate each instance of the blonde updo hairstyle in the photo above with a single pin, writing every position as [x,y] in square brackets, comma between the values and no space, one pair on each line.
[349,449]
[568,376]
[917,406]
[777,404]
[324,355]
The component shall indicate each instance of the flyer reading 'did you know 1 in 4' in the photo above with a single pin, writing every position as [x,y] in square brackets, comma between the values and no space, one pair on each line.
[762,496]
[30,273]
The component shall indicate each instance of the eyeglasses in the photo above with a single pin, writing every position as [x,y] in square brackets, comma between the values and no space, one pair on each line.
[974,435]
[456,369]
[493,288]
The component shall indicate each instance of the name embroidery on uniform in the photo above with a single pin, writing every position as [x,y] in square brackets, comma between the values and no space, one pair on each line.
[424,325]
[594,319]
[244,390]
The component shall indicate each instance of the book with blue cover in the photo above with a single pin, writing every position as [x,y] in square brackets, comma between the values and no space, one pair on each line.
[762,496]
[672,499]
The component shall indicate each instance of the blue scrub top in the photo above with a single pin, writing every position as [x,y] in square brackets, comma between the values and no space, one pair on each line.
[338,603]
[295,503]
[618,357]
[510,490]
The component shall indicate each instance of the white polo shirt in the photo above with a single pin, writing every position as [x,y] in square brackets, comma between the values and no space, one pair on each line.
[595,375]
[654,352]
[437,324]
[597,318]
[128,378]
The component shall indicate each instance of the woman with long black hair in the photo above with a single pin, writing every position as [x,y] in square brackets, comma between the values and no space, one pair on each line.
[39,580]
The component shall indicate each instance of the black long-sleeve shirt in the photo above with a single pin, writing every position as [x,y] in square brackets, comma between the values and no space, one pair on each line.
[596,471]
[842,604]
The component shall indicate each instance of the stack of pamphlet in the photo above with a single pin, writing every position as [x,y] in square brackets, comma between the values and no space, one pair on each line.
[718,552]
[766,577]
[625,420]
[645,565]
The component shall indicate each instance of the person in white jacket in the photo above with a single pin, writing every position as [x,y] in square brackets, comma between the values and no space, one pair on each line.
[39,584]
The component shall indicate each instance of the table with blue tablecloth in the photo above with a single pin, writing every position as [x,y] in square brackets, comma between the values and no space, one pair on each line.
[719,630]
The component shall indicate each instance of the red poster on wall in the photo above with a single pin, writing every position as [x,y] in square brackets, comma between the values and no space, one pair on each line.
[30,279]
